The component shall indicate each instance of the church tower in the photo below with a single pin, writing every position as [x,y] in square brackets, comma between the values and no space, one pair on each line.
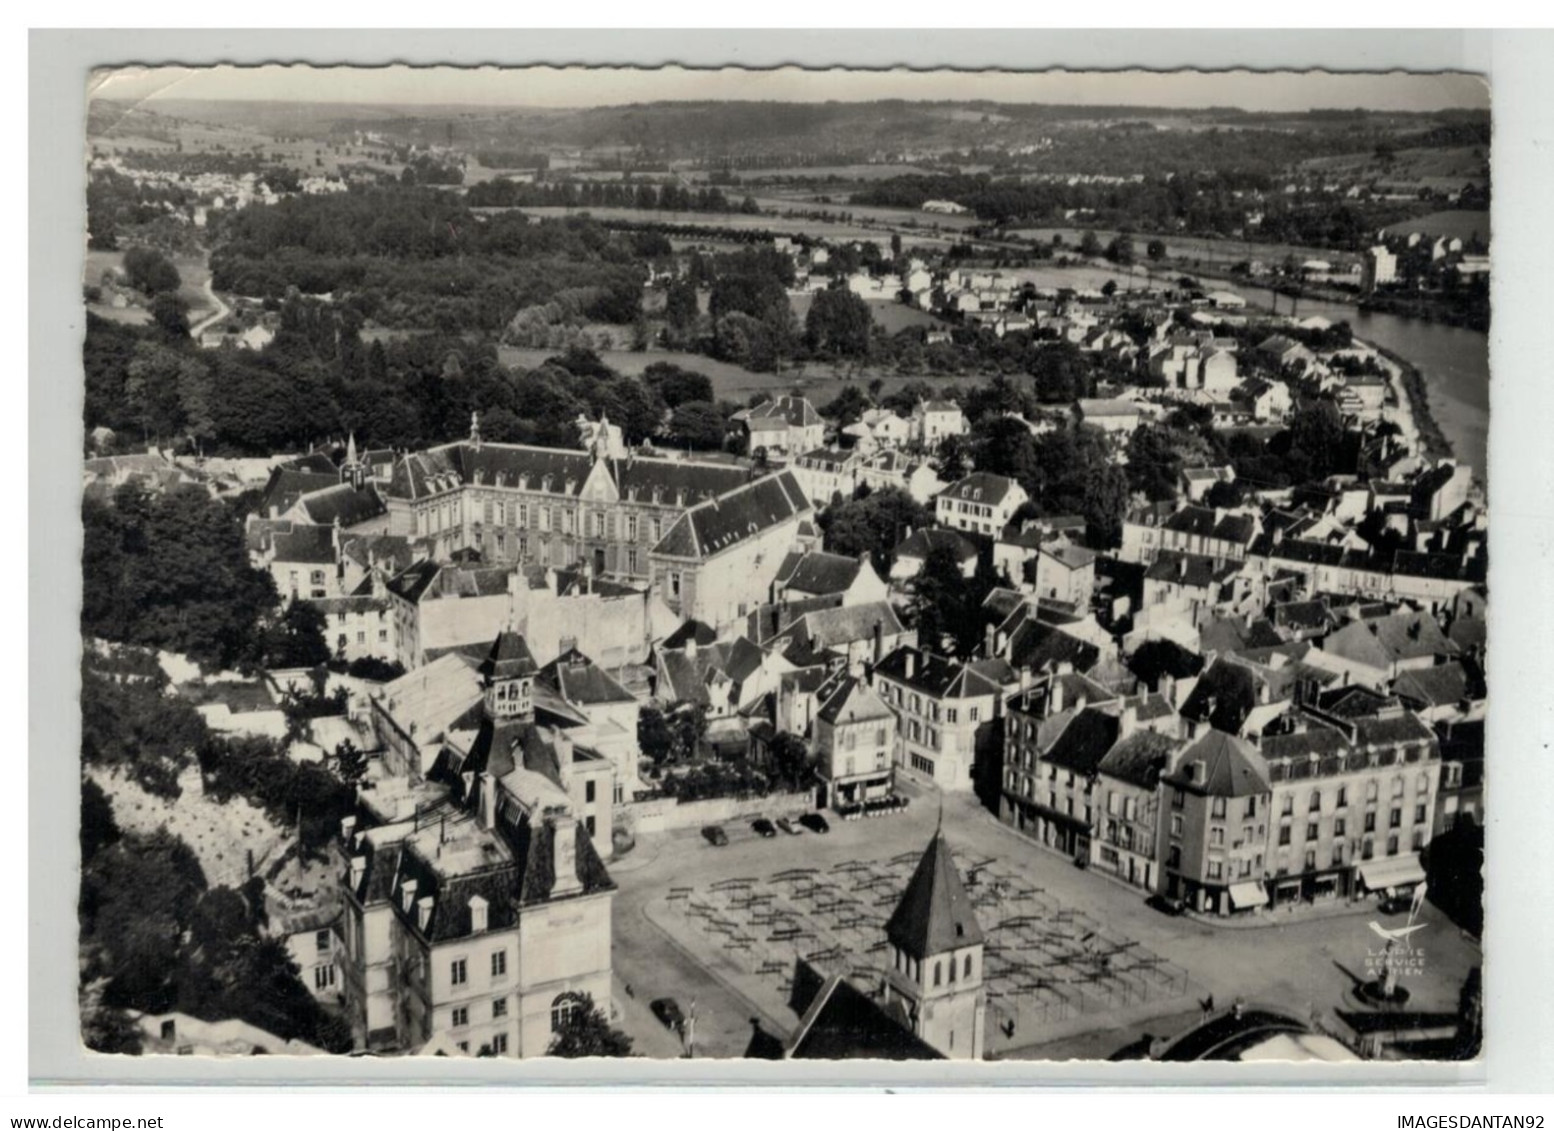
[936,958]
[352,471]
[507,674]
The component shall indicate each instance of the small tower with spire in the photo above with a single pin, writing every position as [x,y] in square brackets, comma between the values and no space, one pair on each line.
[936,957]
[352,470]
[507,676]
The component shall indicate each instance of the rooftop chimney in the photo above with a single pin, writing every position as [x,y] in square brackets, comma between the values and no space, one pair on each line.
[487,801]
[564,841]
[1055,695]
[1128,721]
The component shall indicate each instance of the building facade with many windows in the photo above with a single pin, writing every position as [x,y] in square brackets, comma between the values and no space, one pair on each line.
[549,506]
[946,715]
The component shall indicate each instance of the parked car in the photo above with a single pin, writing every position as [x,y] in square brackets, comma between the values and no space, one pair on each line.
[788,826]
[815,823]
[763,827]
[1396,904]
[1166,905]
[667,1010]
[715,835]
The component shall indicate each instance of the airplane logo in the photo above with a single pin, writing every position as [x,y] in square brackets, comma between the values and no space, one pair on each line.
[1395,934]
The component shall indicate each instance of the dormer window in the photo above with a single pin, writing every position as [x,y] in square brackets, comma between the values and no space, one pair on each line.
[478,910]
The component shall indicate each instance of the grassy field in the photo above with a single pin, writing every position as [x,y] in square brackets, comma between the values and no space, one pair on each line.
[819,172]
[193,270]
[732,382]
[1190,248]
[1462,224]
[890,314]
[897,217]
[1446,169]
[738,221]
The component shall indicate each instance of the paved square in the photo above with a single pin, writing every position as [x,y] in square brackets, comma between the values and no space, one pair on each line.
[1045,962]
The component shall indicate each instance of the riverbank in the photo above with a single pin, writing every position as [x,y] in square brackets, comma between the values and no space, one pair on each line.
[1408,386]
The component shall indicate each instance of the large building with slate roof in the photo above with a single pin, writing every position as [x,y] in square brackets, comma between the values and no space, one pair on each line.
[720,558]
[477,907]
[548,506]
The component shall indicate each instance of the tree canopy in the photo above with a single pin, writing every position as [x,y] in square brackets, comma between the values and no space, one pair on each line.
[586,1031]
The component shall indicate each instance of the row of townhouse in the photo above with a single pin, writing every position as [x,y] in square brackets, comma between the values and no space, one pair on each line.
[1323,805]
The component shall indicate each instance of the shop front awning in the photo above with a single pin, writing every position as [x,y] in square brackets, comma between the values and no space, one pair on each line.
[1243,897]
[1398,871]
[1057,817]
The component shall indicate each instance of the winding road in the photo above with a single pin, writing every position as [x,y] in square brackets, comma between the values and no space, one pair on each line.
[222,310]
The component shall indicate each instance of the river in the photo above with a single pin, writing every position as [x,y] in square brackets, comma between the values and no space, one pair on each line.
[1453,361]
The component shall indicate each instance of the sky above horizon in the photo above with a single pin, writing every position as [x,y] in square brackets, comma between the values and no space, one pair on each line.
[549,87]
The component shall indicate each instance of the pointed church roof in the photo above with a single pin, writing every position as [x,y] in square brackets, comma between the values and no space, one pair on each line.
[935,913]
[350,449]
[509,658]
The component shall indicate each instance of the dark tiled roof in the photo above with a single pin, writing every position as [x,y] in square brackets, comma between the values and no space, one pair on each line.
[317,462]
[1041,646]
[345,503]
[302,543]
[842,1023]
[1322,741]
[730,519]
[1084,742]
[1233,767]
[1352,702]
[935,914]
[1139,759]
[936,676]
[819,573]
[1223,696]
[1302,616]
[920,543]
[287,486]
[428,580]
[848,624]
[850,700]
[1205,522]
[797,412]
[1192,570]
[1433,687]
[980,486]
[1380,641]
[687,673]
[509,658]
[577,679]
[1392,729]
[690,630]
[391,551]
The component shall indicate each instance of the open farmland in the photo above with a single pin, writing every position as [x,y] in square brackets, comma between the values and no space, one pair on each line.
[1463,224]
[817,173]
[738,221]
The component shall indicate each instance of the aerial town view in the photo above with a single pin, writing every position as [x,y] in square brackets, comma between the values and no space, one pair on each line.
[583,569]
